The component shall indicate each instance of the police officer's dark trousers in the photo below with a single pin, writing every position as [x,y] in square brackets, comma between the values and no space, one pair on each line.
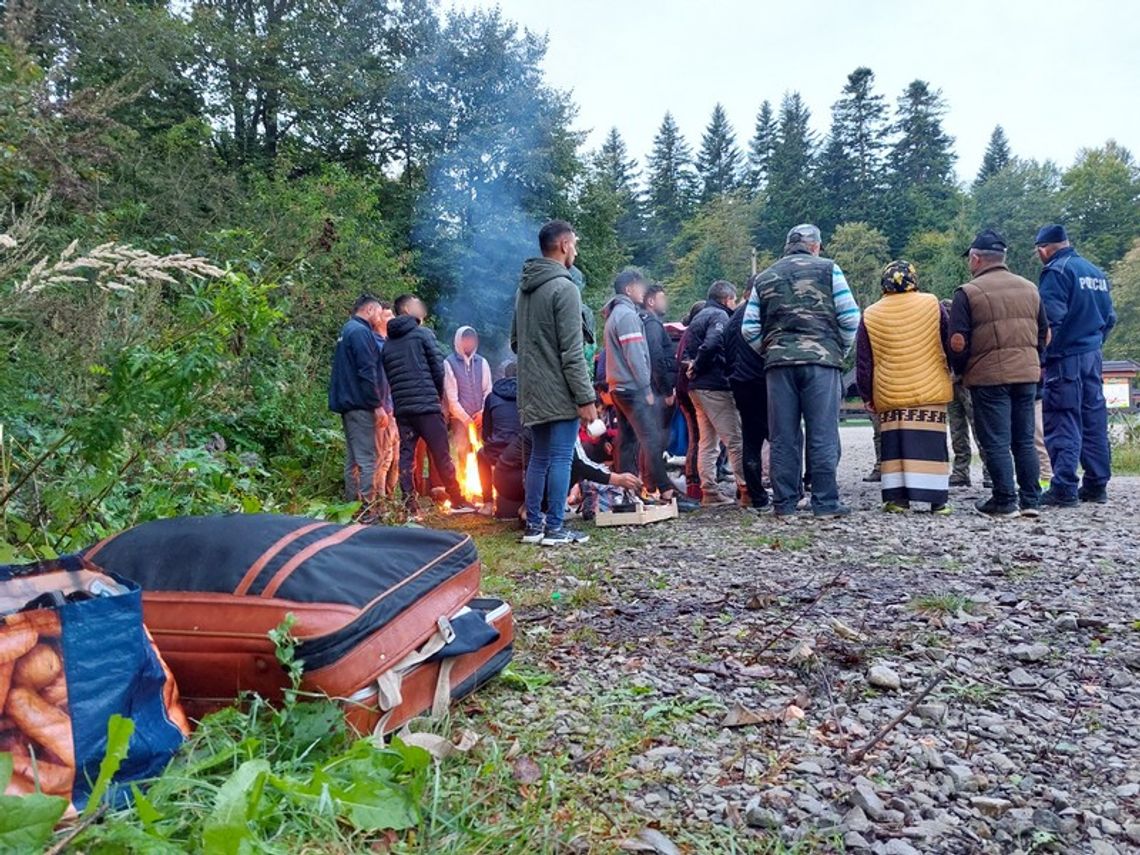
[1076,422]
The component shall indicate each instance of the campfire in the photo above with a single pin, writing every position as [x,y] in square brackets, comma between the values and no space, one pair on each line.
[469,476]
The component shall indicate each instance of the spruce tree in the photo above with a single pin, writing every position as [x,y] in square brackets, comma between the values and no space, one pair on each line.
[671,185]
[618,171]
[718,161]
[851,168]
[793,188]
[760,148]
[920,167]
[997,155]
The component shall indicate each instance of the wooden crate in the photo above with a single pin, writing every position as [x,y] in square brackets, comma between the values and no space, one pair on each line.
[644,515]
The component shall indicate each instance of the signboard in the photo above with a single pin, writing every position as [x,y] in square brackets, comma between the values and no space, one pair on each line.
[1116,393]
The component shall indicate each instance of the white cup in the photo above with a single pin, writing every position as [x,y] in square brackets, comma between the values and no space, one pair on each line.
[596,428]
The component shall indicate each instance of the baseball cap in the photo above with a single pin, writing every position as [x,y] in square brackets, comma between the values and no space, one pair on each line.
[988,239]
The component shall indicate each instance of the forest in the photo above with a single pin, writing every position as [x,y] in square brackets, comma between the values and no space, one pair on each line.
[194,193]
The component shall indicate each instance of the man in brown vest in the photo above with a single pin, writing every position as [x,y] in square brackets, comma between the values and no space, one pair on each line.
[998,332]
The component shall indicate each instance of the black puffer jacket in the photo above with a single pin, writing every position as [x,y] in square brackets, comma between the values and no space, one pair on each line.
[706,349]
[501,422]
[414,367]
[744,364]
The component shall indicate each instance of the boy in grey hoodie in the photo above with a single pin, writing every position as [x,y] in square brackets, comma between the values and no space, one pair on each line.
[629,378]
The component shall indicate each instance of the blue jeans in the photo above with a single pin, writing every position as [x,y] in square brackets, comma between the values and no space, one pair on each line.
[548,472]
[1005,418]
[1076,422]
[809,393]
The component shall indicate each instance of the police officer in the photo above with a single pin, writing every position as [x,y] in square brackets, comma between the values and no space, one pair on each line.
[1078,302]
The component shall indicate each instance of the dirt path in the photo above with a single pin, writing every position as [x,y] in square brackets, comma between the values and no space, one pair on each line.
[641,651]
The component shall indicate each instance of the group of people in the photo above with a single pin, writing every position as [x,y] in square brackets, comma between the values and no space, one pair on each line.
[758,376]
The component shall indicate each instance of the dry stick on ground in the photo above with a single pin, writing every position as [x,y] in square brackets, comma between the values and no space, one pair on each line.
[801,614]
[64,842]
[857,756]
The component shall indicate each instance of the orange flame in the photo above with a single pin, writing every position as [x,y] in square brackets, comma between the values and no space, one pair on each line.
[470,483]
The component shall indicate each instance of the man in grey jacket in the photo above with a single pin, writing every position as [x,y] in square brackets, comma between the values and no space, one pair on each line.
[555,392]
[629,377]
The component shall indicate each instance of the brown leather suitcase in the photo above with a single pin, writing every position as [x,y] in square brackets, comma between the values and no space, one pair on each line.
[387,619]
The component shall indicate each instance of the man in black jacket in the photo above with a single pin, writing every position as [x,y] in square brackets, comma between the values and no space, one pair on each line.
[712,394]
[746,377]
[354,393]
[414,367]
[662,350]
[501,424]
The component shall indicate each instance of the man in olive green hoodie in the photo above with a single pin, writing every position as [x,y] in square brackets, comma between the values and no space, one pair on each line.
[555,392]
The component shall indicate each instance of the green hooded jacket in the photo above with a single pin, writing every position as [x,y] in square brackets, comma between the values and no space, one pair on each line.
[546,333]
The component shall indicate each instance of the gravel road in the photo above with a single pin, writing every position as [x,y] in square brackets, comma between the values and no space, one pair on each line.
[781,649]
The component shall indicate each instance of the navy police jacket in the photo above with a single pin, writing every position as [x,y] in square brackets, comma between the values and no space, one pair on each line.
[1078,303]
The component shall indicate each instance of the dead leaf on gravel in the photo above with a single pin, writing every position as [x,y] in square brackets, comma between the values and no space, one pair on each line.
[802,652]
[759,601]
[526,771]
[844,631]
[739,715]
[650,840]
[792,713]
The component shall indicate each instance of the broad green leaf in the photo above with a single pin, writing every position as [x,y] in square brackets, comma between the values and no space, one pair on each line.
[119,732]
[26,822]
[372,806]
[226,831]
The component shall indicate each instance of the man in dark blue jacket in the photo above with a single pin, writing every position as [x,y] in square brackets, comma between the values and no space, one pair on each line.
[354,392]
[414,367]
[1078,303]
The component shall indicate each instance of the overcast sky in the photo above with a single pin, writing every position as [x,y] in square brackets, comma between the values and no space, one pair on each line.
[1057,76]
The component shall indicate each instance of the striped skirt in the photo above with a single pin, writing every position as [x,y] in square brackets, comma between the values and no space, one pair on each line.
[916,463]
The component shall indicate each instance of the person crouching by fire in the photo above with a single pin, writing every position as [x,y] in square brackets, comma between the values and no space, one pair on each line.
[466,385]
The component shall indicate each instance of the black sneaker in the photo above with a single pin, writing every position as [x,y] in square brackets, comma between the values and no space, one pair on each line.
[838,511]
[873,477]
[1096,495]
[532,535]
[1052,499]
[686,505]
[1030,511]
[564,536]
[991,508]
[461,507]
[959,480]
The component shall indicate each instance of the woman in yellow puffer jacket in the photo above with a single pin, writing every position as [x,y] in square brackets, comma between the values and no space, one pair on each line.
[904,377]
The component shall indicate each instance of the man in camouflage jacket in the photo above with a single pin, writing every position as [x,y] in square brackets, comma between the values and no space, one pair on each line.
[802,318]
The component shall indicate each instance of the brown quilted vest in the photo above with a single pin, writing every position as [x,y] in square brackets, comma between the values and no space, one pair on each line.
[1003,341]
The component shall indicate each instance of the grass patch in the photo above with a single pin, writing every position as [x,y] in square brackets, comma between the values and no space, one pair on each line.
[949,604]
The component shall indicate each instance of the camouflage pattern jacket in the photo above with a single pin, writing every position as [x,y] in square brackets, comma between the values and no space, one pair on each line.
[801,312]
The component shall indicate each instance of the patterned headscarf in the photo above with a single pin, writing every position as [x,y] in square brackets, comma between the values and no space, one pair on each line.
[898,277]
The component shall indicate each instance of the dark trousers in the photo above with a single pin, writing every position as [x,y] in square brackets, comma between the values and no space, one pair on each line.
[639,438]
[431,428]
[360,454]
[809,393]
[1076,422]
[752,403]
[1005,419]
[693,437]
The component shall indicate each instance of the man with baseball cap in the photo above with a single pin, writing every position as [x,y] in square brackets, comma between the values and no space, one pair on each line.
[802,318]
[998,332]
[1078,302]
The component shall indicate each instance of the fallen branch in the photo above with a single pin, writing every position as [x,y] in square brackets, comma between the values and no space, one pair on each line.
[857,755]
[801,614]
[64,842]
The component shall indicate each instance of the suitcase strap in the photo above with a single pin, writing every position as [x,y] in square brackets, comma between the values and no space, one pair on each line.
[388,684]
